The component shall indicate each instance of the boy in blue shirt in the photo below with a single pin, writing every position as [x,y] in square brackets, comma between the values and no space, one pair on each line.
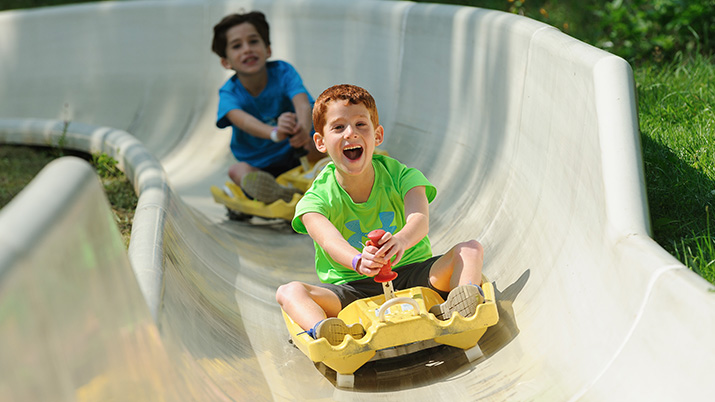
[359,192]
[266,104]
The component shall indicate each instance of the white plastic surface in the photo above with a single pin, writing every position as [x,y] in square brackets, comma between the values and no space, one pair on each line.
[529,135]
[385,307]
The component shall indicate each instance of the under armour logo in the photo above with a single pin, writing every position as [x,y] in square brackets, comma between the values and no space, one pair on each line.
[356,240]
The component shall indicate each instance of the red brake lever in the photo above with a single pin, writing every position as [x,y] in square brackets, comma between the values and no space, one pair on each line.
[386,273]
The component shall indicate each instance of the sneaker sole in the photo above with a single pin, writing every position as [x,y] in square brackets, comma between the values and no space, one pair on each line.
[462,299]
[262,186]
[334,330]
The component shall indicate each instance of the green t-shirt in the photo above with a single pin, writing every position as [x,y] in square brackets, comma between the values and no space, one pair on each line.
[385,209]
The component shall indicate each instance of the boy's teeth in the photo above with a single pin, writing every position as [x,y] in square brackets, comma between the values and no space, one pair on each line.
[353,152]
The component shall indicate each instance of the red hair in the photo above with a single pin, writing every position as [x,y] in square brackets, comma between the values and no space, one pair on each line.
[351,93]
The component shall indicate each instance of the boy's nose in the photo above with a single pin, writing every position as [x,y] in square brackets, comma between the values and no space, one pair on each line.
[349,131]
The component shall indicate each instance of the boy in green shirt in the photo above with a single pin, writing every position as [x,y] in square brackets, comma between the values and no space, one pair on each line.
[359,192]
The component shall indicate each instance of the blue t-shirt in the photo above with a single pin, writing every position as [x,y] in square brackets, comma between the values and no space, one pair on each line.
[384,209]
[276,98]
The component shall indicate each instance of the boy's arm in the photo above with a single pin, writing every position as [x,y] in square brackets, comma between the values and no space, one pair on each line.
[415,229]
[303,112]
[257,128]
[329,238]
[304,120]
[249,124]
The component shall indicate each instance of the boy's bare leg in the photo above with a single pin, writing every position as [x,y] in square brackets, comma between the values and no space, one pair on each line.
[461,265]
[238,170]
[458,271]
[307,304]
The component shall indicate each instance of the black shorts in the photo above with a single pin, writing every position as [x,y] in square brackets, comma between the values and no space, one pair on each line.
[283,165]
[408,276]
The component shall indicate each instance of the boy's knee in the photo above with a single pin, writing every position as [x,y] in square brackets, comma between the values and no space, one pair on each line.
[288,291]
[473,247]
[234,172]
[238,170]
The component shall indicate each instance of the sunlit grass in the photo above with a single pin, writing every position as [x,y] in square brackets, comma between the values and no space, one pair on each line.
[677,120]
[698,253]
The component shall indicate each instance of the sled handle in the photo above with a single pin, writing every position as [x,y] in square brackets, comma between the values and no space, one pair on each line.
[395,301]
[386,273]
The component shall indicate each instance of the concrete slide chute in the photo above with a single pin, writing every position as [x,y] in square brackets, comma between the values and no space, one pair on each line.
[530,136]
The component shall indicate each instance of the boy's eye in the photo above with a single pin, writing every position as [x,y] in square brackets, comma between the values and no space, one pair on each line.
[338,127]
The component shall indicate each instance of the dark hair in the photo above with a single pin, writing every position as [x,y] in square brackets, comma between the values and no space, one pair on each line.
[345,92]
[255,18]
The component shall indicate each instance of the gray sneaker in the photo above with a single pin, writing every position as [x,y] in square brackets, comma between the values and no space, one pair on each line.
[463,299]
[262,186]
[335,329]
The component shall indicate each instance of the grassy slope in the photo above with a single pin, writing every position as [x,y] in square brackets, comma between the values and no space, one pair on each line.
[677,120]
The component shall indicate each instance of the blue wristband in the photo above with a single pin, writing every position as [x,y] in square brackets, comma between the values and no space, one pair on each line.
[356,259]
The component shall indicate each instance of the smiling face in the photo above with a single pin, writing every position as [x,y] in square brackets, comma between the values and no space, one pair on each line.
[246,52]
[350,138]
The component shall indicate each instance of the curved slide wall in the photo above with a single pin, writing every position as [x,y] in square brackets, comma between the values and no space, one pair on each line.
[530,136]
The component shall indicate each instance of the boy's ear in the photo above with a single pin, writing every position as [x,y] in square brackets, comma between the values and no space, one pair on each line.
[379,135]
[268,52]
[319,142]
[225,63]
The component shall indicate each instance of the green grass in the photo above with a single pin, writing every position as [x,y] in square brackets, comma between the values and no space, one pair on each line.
[20,164]
[119,190]
[698,253]
[677,121]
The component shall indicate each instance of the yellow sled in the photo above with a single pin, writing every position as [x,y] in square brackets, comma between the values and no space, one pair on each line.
[400,326]
[300,177]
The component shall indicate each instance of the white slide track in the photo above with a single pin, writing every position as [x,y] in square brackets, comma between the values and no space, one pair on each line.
[530,136]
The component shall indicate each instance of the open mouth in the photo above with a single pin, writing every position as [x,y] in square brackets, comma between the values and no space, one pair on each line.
[353,152]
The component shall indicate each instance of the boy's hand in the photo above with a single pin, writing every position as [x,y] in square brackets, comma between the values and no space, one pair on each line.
[300,139]
[288,127]
[367,267]
[373,258]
